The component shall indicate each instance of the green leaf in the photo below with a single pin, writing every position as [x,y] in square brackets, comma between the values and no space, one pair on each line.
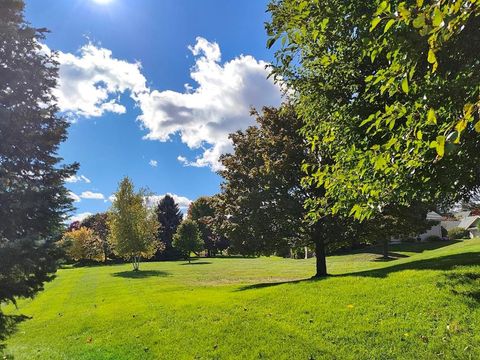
[431,117]
[404,12]
[477,127]
[374,23]
[270,42]
[432,59]
[461,125]
[419,135]
[440,145]
[419,21]
[388,25]
[383,5]
[405,86]
[419,3]
[437,17]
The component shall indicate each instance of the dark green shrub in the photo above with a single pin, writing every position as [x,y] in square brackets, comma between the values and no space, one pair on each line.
[433,238]
[457,233]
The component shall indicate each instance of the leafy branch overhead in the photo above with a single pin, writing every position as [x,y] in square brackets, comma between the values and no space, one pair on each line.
[390,91]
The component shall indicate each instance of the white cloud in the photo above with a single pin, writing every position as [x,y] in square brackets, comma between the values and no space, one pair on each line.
[218,106]
[78,178]
[153,163]
[182,201]
[74,196]
[80,217]
[111,198]
[203,115]
[90,84]
[92,195]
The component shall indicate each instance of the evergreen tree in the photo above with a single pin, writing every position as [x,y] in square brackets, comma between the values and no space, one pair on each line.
[133,225]
[169,217]
[33,199]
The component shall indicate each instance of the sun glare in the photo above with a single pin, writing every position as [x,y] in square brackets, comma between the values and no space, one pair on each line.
[103,2]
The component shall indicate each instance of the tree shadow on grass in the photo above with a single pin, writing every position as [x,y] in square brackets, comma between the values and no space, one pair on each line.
[197,263]
[448,262]
[141,274]
[392,256]
[465,284]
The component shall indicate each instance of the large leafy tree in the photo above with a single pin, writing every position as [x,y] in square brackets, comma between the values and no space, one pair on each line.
[133,225]
[33,199]
[169,217]
[263,197]
[389,91]
[82,244]
[188,238]
[202,211]
[99,224]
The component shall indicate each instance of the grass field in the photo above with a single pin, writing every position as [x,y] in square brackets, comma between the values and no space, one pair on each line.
[423,305]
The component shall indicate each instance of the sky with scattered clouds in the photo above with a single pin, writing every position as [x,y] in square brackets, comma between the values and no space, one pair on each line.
[152,89]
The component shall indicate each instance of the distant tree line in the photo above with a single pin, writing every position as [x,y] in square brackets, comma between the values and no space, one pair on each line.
[132,229]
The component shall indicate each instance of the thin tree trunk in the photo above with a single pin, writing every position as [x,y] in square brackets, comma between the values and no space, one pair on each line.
[385,250]
[136,263]
[321,261]
[306,252]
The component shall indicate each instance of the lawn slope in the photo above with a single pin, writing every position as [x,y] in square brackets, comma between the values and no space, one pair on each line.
[423,305]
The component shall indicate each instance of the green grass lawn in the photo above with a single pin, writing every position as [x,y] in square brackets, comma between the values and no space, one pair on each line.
[423,305]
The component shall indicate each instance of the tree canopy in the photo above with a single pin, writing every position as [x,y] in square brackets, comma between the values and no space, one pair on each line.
[188,239]
[262,195]
[169,217]
[133,225]
[202,211]
[99,224]
[389,92]
[83,244]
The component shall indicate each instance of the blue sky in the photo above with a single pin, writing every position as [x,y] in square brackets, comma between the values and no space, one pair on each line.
[124,66]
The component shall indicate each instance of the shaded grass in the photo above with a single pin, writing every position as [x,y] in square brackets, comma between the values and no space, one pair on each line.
[421,306]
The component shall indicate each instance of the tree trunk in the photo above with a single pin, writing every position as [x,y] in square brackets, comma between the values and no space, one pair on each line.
[306,252]
[320,253]
[385,250]
[136,263]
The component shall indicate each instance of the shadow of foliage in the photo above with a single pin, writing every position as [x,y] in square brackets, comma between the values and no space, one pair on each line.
[197,263]
[141,274]
[463,283]
[448,262]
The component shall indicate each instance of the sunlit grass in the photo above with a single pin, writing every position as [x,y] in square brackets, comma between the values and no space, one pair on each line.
[424,305]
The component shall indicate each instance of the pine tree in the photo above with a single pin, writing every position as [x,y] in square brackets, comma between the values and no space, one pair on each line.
[169,217]
[33,199]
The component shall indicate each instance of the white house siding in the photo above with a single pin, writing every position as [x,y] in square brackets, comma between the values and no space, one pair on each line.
[435,230]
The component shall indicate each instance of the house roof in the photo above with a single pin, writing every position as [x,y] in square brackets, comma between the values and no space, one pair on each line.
[432,215]
[450,224]
[460,215]
[468,222]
